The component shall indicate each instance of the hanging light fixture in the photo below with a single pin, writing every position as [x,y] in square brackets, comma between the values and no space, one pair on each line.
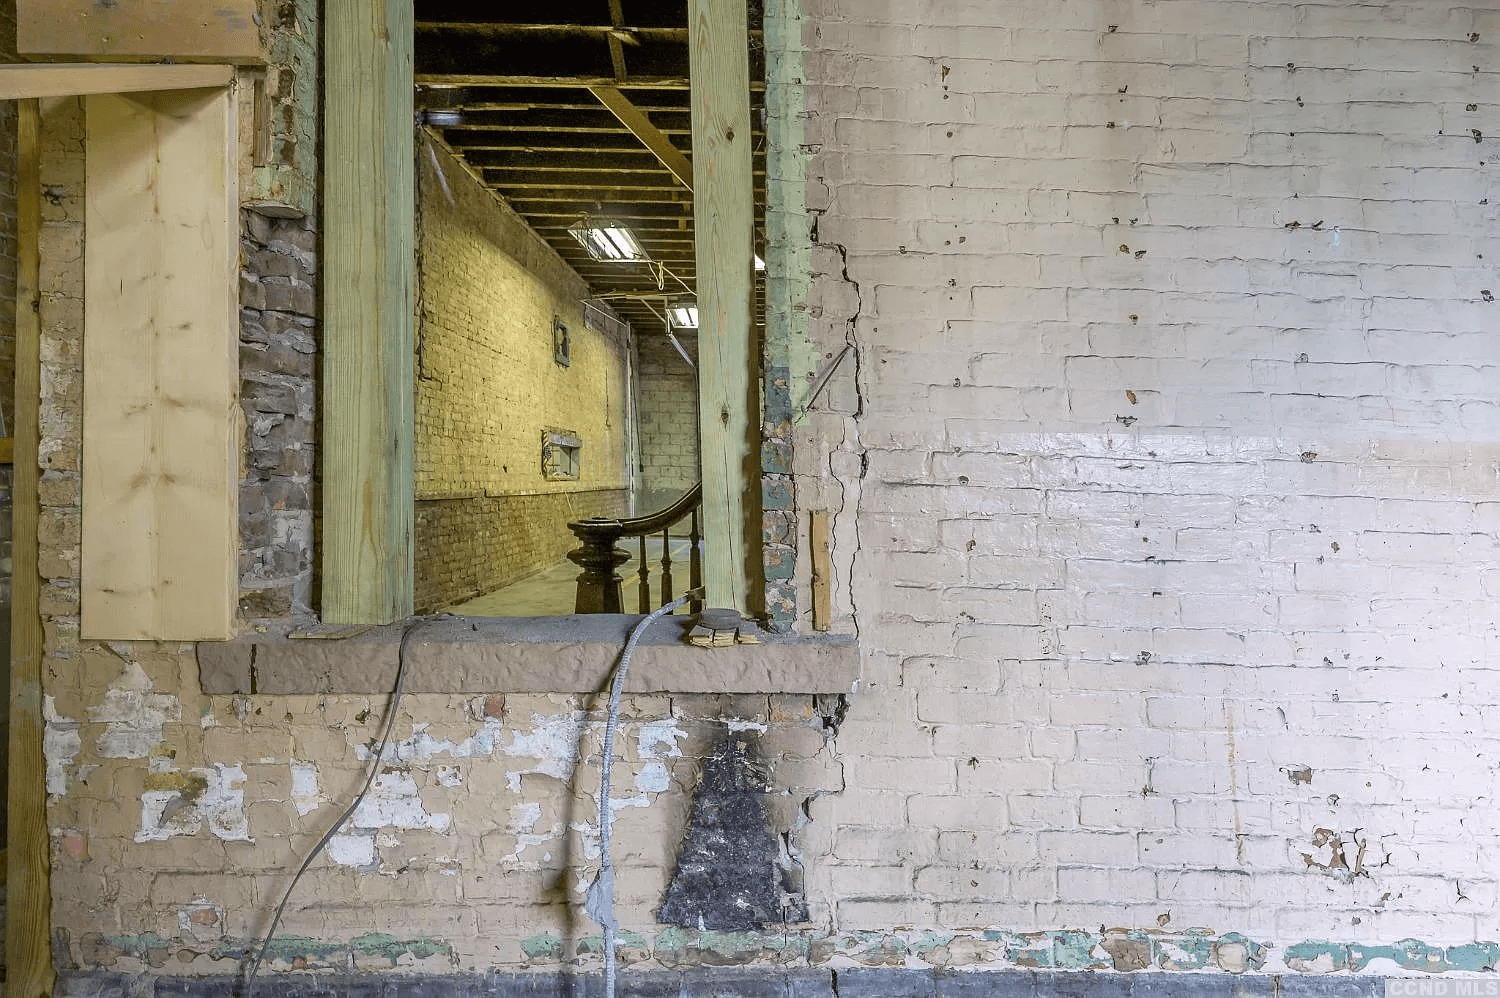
[685,316]
[608,241]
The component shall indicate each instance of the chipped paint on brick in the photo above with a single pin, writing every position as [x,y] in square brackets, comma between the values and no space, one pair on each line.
[306,797]
[552,741]
[658,739]
[542,946]
[356,849]
[61,744]
[421,746]
[393,801]
[133,716]
[182,803]
[1316,957]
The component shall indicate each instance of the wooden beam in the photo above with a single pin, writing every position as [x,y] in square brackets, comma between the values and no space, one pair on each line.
[502,80]
[28,930]
[161,342]
[652,137]
[368,210]
[822,571]
[69,79]
[723,215]
[228,30]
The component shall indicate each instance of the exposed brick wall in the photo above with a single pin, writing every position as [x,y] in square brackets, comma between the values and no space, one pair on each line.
[668,420]
[278,391]
[487,383]
[1173,452]
[476,545]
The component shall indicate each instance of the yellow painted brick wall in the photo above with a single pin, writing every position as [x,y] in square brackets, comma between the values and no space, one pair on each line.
[487,385]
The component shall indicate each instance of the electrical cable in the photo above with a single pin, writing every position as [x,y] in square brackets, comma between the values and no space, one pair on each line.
[600,904]
[385,739]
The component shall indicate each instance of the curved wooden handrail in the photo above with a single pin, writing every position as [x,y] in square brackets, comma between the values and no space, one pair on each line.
[599,583]
[635,526]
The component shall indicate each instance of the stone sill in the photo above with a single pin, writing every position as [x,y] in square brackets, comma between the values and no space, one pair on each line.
[572,654]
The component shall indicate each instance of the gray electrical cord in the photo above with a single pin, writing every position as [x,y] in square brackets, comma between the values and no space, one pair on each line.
[600,904]
[385,738]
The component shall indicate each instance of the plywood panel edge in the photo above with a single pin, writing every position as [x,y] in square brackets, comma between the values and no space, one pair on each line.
[69,79]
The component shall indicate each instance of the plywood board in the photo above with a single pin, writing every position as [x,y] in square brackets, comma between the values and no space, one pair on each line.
[184,29]
[68,79]
[160,367]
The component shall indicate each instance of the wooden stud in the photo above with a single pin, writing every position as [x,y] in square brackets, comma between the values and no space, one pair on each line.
[368,216]
[28,930]
[640,125]
[822,571]
[160,345]
[723,215]
[69,79]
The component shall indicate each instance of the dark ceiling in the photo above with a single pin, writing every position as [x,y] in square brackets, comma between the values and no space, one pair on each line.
[542,140]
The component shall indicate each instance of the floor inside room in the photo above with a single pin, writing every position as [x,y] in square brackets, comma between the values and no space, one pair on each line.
[551,591]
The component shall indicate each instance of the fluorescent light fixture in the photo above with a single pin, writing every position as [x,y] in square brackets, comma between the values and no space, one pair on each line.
[608,241]
[443,117]
[760,264]
[685,316]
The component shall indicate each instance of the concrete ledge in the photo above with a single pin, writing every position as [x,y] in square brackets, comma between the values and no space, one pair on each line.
[750,982]
[573,654]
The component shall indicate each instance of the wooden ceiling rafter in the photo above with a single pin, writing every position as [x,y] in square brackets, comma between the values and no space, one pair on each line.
[577,112]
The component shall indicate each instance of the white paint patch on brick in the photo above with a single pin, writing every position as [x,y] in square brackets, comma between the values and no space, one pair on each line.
[421,746]
[306,797]
[355,849]
[653,778]
[522,824]
[658,739]
[61,744]
[393,801]
[219,803]
[133,716]
[552,741]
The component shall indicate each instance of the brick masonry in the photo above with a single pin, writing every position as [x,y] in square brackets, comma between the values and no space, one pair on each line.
[488,387]
[1163,486]
[1160,463]
[475,545]
[278,393]
[668,418]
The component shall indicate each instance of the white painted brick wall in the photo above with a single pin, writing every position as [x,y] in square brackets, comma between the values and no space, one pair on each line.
[1180,417]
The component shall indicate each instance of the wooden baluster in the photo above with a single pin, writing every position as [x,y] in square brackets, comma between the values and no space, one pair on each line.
[695,563]
[645,578]
[666,566]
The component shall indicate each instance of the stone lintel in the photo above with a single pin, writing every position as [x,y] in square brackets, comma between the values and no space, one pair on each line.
[572,654]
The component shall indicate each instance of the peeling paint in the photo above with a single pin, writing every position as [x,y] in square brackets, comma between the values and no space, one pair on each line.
[306,797]
[356,849]
[133,716]
[658,740]
[393,801]
[421,746]
[522,825]
[553,741]
[181,803]
[653,778]
[61,744]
